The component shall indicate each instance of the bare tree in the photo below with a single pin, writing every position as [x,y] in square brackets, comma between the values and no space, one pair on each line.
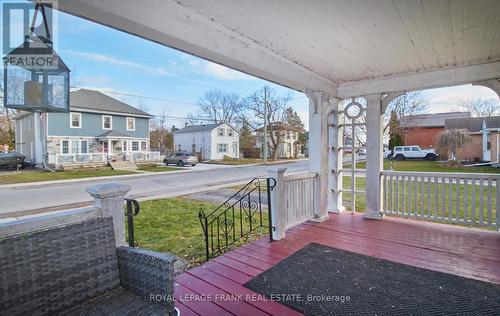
[452,140]
[143,106]
[6,122]
[220,106]
[406,107]
[276,114]
[480,107]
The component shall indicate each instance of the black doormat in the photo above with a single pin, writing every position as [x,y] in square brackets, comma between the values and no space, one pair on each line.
[320,280]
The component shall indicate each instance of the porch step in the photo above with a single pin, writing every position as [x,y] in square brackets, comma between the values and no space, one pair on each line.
[123,165]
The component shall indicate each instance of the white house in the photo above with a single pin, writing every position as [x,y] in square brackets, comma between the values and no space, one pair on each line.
[213,141]
[288,141]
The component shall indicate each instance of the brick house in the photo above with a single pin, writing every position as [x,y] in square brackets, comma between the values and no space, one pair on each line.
[485,134]
[424,129]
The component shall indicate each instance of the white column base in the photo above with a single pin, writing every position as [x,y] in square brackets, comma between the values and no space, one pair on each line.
[373,216]
[319,219]
[339,210]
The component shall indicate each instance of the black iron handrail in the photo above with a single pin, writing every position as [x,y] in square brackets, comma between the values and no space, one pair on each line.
[237,217]
[133,208]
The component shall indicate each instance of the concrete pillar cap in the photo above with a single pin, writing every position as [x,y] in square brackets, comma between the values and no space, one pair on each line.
[108,190]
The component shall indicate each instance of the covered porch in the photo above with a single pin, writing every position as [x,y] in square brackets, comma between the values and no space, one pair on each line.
[351,59]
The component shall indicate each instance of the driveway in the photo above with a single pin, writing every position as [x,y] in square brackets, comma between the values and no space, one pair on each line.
[42,197]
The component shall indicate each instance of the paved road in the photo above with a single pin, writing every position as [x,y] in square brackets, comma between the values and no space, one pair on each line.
[36,198]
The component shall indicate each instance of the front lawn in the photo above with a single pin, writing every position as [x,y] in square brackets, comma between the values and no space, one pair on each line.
[429,166]
[172,225]
[36,176]
[155,168]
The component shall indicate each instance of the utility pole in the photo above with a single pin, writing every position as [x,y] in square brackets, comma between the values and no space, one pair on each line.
[265,126]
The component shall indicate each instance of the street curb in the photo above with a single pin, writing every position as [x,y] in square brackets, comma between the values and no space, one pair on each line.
[132,175]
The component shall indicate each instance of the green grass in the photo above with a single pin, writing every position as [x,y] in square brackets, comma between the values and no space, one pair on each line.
[155,168]
[36,176]
[429,166]
[172,225]
[413,202]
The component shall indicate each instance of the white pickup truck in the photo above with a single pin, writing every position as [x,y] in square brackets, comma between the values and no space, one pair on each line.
[413,152]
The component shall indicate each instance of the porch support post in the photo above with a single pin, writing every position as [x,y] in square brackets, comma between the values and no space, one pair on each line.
[38,155]
[374,156]
[319,150]
[278,203]
[109,198]
[336,152]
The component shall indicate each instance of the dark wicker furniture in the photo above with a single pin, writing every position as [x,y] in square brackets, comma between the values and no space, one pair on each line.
[77,269]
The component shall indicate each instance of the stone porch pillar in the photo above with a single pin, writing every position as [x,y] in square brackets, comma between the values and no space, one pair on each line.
[109,198]
[374,155]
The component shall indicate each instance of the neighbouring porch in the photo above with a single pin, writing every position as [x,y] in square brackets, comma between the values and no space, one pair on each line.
[110,146]
[470,253]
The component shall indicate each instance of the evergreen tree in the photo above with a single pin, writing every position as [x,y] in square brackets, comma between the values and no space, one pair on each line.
[395,138]
[246,138]
[293,119]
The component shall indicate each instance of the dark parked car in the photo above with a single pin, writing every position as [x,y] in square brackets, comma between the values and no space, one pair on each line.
[181,159]
[11,159]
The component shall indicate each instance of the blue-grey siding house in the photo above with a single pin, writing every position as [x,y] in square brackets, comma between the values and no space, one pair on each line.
[98,127]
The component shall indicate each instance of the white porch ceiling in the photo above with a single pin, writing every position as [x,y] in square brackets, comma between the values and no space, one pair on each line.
[346,48]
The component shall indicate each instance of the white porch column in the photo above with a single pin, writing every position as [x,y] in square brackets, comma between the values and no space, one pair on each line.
[38,155]
[278,203]
[335,140]
[374,156]
[319,150]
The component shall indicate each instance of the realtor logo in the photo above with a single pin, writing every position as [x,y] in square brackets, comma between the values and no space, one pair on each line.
[28,34]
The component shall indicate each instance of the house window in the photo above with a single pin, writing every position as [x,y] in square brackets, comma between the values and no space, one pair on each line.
[75,120]
[135,146]
[179,147]
[84,149]
[64,147]
[488,141]
[222,148]
[230,132]
[220,131]
[130,123]
[125,146]
[143,146]
[107,122]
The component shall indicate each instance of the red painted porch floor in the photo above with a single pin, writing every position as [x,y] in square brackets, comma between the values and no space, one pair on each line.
[206,290]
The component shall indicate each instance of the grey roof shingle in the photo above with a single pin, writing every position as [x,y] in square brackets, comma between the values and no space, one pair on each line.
[432,120]
[98,101]
[197,128]
[473,124]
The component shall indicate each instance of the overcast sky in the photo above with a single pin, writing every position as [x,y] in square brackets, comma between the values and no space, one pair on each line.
[104,59]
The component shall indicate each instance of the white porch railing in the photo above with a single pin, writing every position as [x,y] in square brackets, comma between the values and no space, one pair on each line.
[292,200]
[62,159]
[299,198]
[142,156]
[465,198]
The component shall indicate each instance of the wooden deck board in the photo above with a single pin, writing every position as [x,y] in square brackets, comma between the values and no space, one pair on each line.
[470,253]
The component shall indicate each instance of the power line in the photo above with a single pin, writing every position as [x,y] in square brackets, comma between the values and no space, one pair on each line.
[143,96]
